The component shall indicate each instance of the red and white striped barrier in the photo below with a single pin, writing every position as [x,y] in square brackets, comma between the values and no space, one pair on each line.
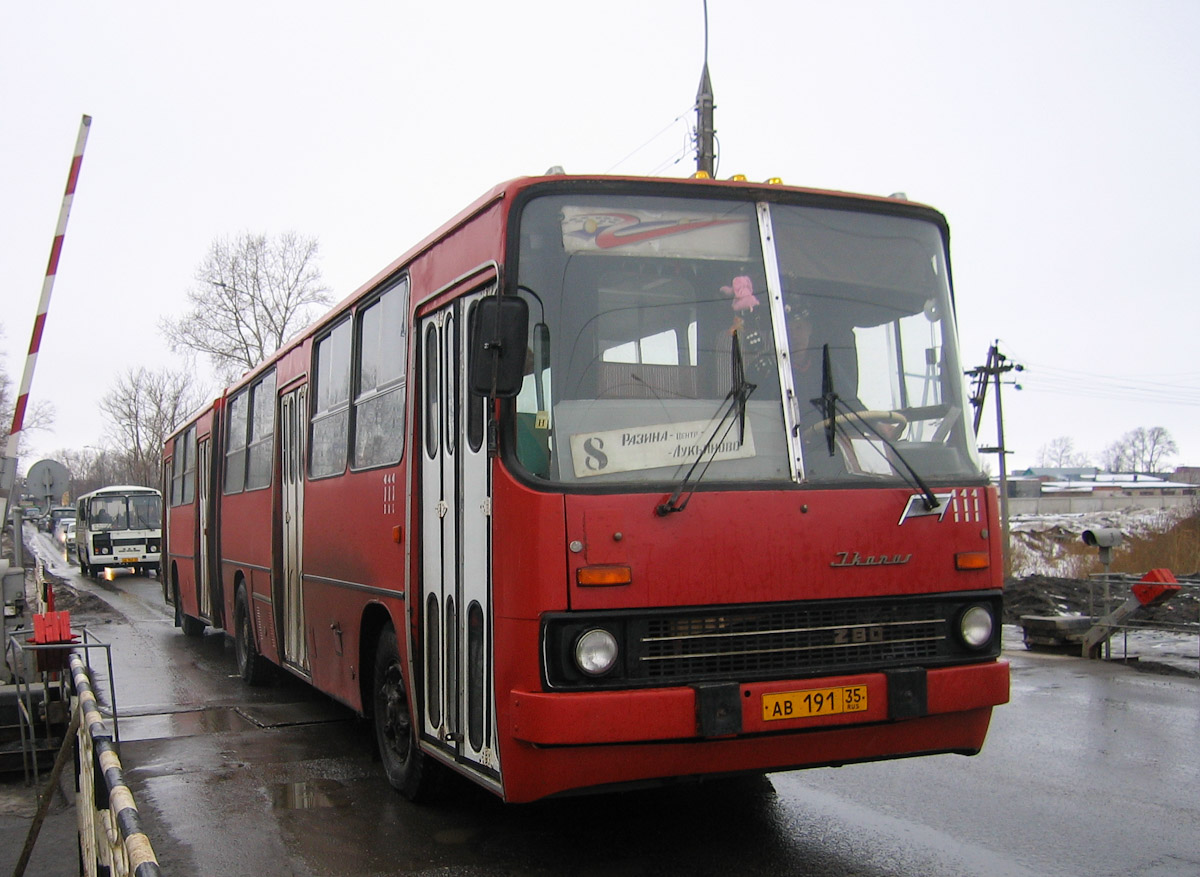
[39,323]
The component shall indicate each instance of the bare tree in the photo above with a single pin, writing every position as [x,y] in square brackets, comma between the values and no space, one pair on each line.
[1155,446]
[1060,453]
[39,414]
[1116,457]
[91,468]
[252,294]
[143,408]
[1140,450]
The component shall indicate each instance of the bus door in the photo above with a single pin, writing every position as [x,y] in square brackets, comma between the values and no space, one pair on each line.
[204,544]
[293,416]
[459,710]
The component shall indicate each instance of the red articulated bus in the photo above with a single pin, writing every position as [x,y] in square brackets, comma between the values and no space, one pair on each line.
[613,481]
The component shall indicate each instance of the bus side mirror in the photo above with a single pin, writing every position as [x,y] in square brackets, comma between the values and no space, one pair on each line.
[499,332]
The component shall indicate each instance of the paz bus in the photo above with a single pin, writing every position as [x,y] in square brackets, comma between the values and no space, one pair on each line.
[119,526]
[612,481]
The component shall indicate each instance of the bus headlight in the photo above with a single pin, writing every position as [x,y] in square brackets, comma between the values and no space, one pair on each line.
[975,627]
[595,651]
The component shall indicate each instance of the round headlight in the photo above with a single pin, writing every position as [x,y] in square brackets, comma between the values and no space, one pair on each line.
[596,652]
[975,627]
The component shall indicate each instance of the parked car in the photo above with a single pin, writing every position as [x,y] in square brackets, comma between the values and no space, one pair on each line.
[69,540]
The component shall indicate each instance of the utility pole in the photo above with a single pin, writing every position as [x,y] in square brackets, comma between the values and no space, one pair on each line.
[705,132]
[997,364]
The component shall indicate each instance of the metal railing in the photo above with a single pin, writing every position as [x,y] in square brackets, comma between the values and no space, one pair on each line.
[111,838]
[1116,587]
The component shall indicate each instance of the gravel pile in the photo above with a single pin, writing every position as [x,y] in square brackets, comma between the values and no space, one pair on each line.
[1046,595]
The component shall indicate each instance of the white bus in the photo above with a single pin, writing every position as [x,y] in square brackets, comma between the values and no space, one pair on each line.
[119,526]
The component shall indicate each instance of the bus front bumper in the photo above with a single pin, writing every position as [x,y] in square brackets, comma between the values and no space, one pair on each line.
[683,713]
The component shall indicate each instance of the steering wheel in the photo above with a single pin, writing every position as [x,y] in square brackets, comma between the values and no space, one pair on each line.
[894,420]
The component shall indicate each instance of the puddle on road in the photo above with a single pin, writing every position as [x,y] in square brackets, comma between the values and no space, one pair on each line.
[309,795]
[187,724]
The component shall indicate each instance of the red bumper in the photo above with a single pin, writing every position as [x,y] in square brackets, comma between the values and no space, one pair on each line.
[579,740]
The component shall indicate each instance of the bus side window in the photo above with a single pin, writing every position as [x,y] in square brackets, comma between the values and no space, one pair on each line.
[331,420]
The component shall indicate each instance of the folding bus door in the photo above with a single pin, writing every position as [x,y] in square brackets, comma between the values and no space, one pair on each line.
[204,544]
[293,419]
[456,649]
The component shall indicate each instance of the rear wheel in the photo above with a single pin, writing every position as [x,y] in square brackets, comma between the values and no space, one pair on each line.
[413,775]
[253,667]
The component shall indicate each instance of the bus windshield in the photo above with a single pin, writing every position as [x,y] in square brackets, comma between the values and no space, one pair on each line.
[117,512]
[833,328]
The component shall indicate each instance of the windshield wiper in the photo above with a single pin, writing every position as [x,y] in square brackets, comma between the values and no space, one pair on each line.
[930,498]
[828,403]
[739,392]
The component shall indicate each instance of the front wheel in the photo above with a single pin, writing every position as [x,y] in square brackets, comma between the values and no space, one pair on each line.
[191,626]
[409,772]
[253,667]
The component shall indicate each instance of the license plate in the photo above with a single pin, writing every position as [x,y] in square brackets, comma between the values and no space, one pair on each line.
[129,560]
[814,702]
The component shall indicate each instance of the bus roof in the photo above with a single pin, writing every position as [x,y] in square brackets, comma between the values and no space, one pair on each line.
[120,489]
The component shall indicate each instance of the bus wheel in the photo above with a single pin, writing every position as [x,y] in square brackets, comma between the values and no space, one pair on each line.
[407,769]
[253,667]
[191,626]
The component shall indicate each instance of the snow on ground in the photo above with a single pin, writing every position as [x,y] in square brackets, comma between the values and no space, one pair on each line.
[1047,580]
[1036,541]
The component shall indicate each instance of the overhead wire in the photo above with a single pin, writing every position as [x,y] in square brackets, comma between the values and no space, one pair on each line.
[1176,388]
[660,133]
[677,156]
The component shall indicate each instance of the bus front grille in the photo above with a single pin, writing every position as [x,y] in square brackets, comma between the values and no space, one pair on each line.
[795,641]
[748,643]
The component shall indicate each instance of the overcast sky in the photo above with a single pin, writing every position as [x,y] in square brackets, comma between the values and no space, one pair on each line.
[1060,138]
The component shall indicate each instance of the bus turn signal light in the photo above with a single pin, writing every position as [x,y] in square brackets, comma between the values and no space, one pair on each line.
[604,575]
[971,560]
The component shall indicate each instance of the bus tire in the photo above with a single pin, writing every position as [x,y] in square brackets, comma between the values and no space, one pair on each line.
[191,626]
[407,769]
[253,667]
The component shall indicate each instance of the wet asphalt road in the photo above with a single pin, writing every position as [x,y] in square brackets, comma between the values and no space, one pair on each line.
[1093,769]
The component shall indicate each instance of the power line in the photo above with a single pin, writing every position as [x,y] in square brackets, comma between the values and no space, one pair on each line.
[665,129]
[1175,388]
